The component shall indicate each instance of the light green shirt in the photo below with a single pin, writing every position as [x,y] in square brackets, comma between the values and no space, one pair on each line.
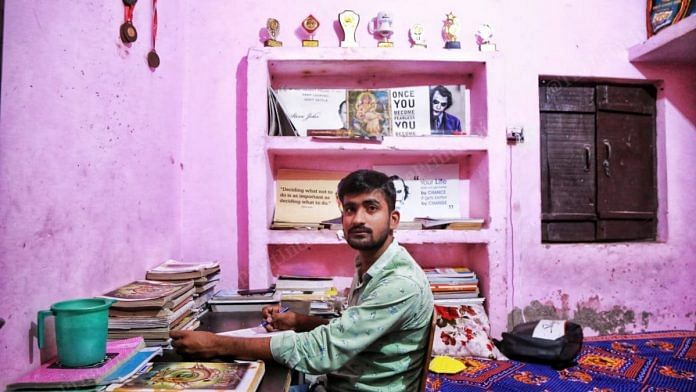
[378,343]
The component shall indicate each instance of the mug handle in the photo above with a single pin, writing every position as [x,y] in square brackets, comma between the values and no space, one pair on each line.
[40,325]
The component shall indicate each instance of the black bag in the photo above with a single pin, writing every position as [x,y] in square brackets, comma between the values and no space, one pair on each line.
[521,345]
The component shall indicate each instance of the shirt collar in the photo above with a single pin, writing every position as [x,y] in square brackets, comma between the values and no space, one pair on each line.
[378,266]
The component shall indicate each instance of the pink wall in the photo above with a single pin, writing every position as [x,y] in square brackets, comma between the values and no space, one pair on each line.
[107,168]
[90,160]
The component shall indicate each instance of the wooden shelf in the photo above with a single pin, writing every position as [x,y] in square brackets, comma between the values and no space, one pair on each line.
[675,44]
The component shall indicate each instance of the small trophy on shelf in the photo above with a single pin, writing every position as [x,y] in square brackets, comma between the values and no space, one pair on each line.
[417,36]
[349,21]
[483,37]
[273,29]
[450,31]
[382,25]
[310,24]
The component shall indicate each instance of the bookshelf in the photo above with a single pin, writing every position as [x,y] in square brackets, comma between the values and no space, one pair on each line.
[322,252]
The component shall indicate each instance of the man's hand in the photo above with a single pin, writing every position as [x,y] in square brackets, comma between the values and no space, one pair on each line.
[200,344]
[276,321]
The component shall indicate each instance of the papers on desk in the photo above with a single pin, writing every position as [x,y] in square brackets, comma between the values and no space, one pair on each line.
[254,332]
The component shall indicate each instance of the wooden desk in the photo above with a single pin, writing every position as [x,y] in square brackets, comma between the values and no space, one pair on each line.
[276,378]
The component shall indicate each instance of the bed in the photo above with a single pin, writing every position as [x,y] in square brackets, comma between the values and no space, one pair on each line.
[653,361]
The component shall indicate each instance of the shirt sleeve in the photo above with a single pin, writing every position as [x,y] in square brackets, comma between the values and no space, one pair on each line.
[326,348]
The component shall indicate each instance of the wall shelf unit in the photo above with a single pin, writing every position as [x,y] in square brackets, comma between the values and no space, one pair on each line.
[321,252]
[676,43]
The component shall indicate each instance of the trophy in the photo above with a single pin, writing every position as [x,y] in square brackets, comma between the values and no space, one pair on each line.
[310,24]
[484,35]
[417,36]
[382,25]
[450,31]
[349,23]
[273,28]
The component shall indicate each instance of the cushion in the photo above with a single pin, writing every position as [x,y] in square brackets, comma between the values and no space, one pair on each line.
[463,331]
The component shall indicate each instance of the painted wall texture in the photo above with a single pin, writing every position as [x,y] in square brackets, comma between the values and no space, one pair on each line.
[108,168]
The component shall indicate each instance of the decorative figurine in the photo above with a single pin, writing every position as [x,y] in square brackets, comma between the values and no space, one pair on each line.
[417,36]
[310,24]
[349,23]
[484,35]
[451,30]
[382,25]
[273,28]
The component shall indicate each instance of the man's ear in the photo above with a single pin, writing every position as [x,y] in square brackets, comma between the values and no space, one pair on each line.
[394,219]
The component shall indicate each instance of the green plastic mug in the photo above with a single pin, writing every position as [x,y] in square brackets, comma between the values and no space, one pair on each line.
[81,329]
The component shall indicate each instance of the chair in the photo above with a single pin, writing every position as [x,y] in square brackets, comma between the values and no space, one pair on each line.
[428,351]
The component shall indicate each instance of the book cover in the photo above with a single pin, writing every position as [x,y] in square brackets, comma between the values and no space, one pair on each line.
[52,375]
[199,376]
[449,110]
[432,191]
[314,108]
[306,196]
[178,270]
[369,112]
[411,111]
[143,290]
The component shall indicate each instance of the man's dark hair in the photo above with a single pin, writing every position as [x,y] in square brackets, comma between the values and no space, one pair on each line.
[444,92]
[363,181]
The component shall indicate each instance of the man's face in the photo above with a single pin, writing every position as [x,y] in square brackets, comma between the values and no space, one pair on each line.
[439,103]
[367,221]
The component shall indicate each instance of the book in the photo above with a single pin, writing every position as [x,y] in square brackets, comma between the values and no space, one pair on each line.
[454,272]
[447,287]
[411,111]
[456,294]
[313,108]
[432,191]
[186,323]
[52,376]
[229,302]
[458,301]
[132,365]
[198,376]
[306,196]
[451,224]
[150,294]
[369,112]
[279,124]
[130,322]
[178,270]
[304,283]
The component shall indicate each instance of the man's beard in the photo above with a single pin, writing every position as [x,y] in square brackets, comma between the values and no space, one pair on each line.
[369,245]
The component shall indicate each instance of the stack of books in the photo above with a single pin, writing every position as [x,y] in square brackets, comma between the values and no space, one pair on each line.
[151,309]
[243,300]
[124,358]
[453,285]
[205,276]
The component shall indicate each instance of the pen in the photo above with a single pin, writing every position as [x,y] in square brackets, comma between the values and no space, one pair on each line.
[283,309]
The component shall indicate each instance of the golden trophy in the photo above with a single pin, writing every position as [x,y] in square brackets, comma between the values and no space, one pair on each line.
[273,28]
[451,30]
[310,24]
